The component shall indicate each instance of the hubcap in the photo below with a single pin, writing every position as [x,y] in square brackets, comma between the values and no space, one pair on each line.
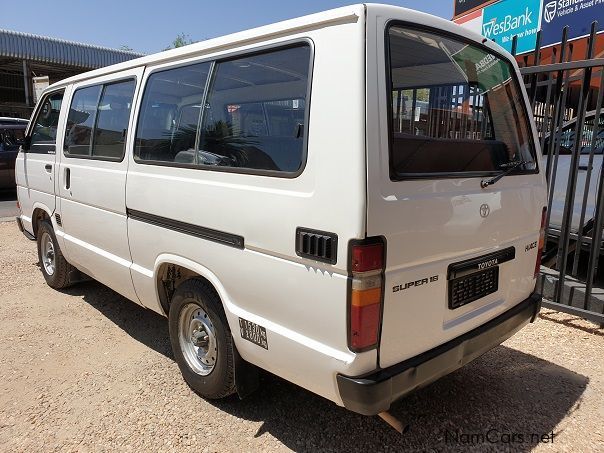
[197,338]
[48,253]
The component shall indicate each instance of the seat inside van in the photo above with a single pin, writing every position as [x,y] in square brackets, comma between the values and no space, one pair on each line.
[423,154]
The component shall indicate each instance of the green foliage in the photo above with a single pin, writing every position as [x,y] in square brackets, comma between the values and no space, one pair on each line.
[182,39]
[423,94]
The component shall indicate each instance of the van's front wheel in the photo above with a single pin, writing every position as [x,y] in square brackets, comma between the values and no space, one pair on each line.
[53,264]
[201,340]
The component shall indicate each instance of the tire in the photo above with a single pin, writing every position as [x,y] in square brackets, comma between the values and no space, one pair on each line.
[201,340]
[54,266]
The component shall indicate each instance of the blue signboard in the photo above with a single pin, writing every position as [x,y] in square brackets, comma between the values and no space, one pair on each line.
[577,14]
[502,20]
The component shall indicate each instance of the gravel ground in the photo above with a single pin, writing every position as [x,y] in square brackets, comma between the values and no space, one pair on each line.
[86,370]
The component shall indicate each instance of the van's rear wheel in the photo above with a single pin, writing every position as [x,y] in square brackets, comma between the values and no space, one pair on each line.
[54,266]
[201,340]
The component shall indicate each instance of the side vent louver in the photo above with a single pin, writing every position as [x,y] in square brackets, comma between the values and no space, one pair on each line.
[58,219]
[317,245]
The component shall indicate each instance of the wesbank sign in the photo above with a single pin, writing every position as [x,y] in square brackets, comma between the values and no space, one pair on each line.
[506,18]
[508,23]
[501,21]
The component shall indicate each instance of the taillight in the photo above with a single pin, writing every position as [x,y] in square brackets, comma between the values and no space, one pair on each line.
[365,311]
[541,243]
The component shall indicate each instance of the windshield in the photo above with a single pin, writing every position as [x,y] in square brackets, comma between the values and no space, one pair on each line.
[455,108]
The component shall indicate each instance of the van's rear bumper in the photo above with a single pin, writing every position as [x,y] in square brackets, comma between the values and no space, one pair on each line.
[373,393]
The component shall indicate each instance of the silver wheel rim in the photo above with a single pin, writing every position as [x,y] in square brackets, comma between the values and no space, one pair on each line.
[48,253]
[197,338]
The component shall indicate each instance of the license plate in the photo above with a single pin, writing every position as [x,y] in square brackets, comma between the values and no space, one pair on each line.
[472,287]
[253,332]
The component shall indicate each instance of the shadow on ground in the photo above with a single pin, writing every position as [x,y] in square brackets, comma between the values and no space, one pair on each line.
[504,400]
[143,325]
[575,323]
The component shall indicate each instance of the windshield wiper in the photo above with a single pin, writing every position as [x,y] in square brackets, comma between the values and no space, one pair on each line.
[511,167]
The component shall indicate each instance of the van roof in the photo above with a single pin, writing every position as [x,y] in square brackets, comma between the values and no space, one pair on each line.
[337,16]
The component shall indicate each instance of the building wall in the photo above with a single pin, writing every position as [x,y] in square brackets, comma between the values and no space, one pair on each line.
[25,55]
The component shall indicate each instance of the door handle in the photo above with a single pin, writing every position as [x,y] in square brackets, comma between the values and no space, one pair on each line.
[48,168]
[67,179]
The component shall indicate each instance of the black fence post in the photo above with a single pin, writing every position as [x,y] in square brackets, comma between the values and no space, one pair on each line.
[555,102]
[580,231]
[571,184]
[536,61]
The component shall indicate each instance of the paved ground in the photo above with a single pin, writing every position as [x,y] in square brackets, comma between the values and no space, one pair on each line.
[8,205]
[85,370]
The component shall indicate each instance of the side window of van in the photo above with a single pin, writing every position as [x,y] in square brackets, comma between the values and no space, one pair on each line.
[256,112]
[44,132]
[98,121]
[80,121]
[169,116]
[254,116]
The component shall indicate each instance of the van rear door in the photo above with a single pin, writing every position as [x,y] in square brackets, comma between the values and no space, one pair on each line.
[457,254]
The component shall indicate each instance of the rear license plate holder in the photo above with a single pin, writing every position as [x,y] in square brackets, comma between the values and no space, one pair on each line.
[475,278]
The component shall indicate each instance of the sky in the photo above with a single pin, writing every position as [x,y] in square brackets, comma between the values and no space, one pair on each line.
[150,26]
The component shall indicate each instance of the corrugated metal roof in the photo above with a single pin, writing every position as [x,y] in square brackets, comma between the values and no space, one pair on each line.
[14,44]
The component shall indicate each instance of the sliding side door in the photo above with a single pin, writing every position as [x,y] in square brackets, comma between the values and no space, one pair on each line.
[93,179]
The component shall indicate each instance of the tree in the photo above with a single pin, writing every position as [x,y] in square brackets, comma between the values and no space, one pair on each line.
[181,40]
[126,48]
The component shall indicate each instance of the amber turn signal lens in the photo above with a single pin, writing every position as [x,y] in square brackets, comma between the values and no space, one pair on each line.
[366,297]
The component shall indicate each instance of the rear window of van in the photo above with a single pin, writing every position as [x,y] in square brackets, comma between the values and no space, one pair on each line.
[455,108]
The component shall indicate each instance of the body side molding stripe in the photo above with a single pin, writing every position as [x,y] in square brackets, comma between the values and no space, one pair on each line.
[221,237]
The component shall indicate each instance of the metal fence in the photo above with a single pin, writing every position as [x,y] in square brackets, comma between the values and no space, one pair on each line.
[566,96]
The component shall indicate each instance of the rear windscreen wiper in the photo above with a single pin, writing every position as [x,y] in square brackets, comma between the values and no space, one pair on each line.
[511,167]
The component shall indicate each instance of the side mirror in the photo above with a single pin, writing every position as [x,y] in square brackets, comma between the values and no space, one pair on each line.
[26,143]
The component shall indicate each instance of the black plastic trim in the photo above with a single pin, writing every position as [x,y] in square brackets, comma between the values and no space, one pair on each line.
[374,392]
[333,249]
[209,234]
[475,290]
[472,265]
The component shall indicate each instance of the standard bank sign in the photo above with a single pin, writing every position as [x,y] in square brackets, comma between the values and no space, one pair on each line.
[576,14]
[503,20]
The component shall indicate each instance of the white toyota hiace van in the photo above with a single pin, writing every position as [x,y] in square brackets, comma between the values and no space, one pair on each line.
[350,200]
